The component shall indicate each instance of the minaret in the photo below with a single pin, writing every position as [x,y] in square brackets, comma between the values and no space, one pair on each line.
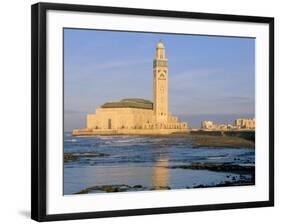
[160,84]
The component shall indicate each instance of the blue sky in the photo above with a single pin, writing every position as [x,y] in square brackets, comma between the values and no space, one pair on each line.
[209,76]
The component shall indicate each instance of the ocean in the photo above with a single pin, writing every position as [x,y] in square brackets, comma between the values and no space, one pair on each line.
[100,164]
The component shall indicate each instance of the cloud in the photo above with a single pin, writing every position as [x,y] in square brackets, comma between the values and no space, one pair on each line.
[121,64]
[90,68]
[236,99]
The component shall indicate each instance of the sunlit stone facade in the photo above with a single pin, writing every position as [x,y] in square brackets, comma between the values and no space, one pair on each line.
[239,124]
[245,123]
[138,116]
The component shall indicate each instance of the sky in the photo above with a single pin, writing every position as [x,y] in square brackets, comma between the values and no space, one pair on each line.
[210,77]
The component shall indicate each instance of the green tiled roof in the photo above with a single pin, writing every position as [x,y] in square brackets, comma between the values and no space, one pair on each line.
[130,103]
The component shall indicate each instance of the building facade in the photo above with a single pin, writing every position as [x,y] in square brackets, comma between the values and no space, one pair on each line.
[138,116]
[207,125]
[243,123]
[239,124]
[212,126]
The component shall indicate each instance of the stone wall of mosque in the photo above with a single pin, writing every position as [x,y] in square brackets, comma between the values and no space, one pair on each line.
[129,119]
[119,118]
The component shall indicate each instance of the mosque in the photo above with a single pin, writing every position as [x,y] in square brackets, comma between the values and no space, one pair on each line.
[138,116]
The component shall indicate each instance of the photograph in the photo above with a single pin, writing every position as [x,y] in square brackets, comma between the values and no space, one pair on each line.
[152,111]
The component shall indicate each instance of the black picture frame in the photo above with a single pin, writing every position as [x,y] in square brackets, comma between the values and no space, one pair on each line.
[39,108]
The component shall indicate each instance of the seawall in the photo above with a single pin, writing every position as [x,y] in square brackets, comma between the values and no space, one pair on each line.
[245,134]
[83,132]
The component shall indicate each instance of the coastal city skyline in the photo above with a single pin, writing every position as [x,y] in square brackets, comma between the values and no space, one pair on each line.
[102,66]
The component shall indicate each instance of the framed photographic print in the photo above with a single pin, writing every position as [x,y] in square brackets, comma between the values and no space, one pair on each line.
[139,111]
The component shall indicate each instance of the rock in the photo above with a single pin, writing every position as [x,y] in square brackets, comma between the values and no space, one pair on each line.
[211,141]
[224,167]
[107,188]
[73,156]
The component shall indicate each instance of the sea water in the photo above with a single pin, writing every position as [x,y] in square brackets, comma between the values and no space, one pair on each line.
[146,161]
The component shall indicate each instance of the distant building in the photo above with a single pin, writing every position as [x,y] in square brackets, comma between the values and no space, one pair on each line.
[208,125]
[238,124]
[243,123]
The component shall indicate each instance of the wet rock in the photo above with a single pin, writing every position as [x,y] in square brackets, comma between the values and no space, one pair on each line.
[111,188]
[73,156]
[247,135]
[224,167]
[105,188]
[210,141]
[68,157]
[245,182]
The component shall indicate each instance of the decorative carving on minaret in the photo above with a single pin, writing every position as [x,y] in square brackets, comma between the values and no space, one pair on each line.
[160,84]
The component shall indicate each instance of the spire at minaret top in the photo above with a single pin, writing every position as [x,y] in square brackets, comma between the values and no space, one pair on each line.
[160,44]
[160,51]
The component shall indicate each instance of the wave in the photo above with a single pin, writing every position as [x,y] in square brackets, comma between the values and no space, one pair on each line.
[70,140]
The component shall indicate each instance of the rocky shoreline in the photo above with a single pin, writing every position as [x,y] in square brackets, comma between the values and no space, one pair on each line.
[128,188]
[229,158]
[74,156]
[218,167]
[111,188]
[199,141]
[232,180]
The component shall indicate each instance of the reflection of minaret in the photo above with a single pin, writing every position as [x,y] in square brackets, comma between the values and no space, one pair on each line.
[160,84]
[160,177]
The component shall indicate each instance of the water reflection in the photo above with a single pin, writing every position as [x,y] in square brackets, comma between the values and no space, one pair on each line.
[160,175]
